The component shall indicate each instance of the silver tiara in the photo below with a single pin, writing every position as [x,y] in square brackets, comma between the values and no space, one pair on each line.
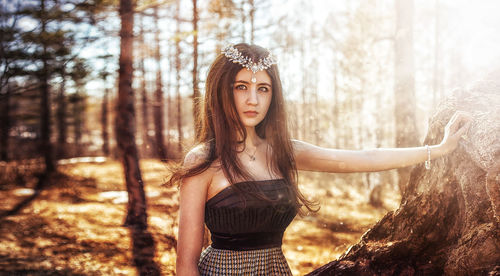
[236,57]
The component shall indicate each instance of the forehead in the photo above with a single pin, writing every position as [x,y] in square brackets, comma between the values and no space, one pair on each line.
[246,75]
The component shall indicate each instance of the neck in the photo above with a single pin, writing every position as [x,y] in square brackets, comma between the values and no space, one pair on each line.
[253,140]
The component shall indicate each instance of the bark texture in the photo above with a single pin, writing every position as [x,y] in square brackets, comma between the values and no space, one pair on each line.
[125,122]
[158,104]
[178,77]
[45,111]
[448,221]
[104,122]
[196,91]
[61,114]
[5,122]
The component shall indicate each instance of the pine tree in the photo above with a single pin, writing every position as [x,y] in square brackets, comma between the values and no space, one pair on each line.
[125,122]
[196,90]
[178,76]
[158,105]
[44,52]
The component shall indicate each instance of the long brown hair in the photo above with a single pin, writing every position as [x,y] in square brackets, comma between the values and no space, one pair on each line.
[221,126]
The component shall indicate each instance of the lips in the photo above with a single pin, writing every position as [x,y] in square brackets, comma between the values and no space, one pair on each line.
[251,113]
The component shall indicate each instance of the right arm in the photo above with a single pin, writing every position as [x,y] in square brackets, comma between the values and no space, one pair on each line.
[193,194]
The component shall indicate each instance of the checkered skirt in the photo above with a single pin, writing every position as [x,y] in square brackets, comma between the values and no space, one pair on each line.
[269,261]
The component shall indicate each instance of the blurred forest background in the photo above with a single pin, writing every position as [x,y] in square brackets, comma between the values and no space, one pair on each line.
[90,90]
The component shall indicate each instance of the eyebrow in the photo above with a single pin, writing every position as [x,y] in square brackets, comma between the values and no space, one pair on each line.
[260,83]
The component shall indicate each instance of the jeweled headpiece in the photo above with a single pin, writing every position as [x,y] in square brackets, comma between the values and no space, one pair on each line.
[236,57]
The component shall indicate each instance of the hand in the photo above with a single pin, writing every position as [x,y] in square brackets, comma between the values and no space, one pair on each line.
[455,129]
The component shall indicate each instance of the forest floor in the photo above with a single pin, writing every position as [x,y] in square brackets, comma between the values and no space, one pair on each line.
[74,226]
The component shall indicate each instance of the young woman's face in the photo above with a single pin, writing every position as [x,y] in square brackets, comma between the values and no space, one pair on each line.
[252,100]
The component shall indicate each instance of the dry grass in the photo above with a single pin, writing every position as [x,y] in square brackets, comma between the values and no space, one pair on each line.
[74,226]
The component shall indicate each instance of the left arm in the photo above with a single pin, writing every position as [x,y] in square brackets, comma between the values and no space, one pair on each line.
[312,158]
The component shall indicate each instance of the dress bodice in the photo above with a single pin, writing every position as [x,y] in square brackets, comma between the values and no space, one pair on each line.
[250,215]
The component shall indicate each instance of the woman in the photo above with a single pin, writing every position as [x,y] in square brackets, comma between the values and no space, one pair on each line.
[241,178]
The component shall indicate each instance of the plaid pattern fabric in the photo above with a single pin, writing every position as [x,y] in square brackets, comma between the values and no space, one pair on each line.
[269,261]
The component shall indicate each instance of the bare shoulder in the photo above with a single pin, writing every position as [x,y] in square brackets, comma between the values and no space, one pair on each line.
[196,156]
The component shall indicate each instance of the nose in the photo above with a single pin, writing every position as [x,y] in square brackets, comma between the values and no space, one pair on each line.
[252,96]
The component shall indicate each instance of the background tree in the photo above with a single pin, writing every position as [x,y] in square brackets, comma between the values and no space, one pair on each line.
[221,11]
[61,116]
[404,83]
[158,104]
[170,85]
[142,54]
[78,74]
[105,115]
[9,54]
[437,78]
[178,65]
[136,219]
[44,75]
[5,123]
[45,50]
[125,122]
[196,91]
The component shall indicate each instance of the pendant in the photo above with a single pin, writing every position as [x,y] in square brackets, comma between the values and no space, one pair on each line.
[254,79]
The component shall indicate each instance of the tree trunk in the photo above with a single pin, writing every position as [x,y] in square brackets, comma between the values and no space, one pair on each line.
[336,104]
[305,109]
[243,18]
[143,245]
[158,105]
[62,127]
[404,83]
[104,122]
[437,78]
[78,109]
[448,221]
[146,141]
[170,113]
[376,196]
[196,90]
[178,79]
[45,132]
[252,21]
[5,124]
[125,122]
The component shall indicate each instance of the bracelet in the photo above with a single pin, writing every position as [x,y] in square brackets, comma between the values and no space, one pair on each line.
[428,161]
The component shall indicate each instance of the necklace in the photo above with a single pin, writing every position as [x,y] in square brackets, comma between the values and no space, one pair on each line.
[252,156]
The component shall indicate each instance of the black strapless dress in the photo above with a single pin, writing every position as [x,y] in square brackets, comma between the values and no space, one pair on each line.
[247,229]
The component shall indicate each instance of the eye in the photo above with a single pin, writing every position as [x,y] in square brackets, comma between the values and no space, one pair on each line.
[264,89]
[240,87]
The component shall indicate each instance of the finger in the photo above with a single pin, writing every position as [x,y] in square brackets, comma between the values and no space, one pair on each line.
[466,122]
[464,116]
[454,124]
[462,130]
[461,121]
[454,118]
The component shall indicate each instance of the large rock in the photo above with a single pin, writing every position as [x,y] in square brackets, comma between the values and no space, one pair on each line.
[448,221]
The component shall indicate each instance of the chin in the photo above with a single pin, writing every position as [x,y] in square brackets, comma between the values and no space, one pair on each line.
[251,123]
